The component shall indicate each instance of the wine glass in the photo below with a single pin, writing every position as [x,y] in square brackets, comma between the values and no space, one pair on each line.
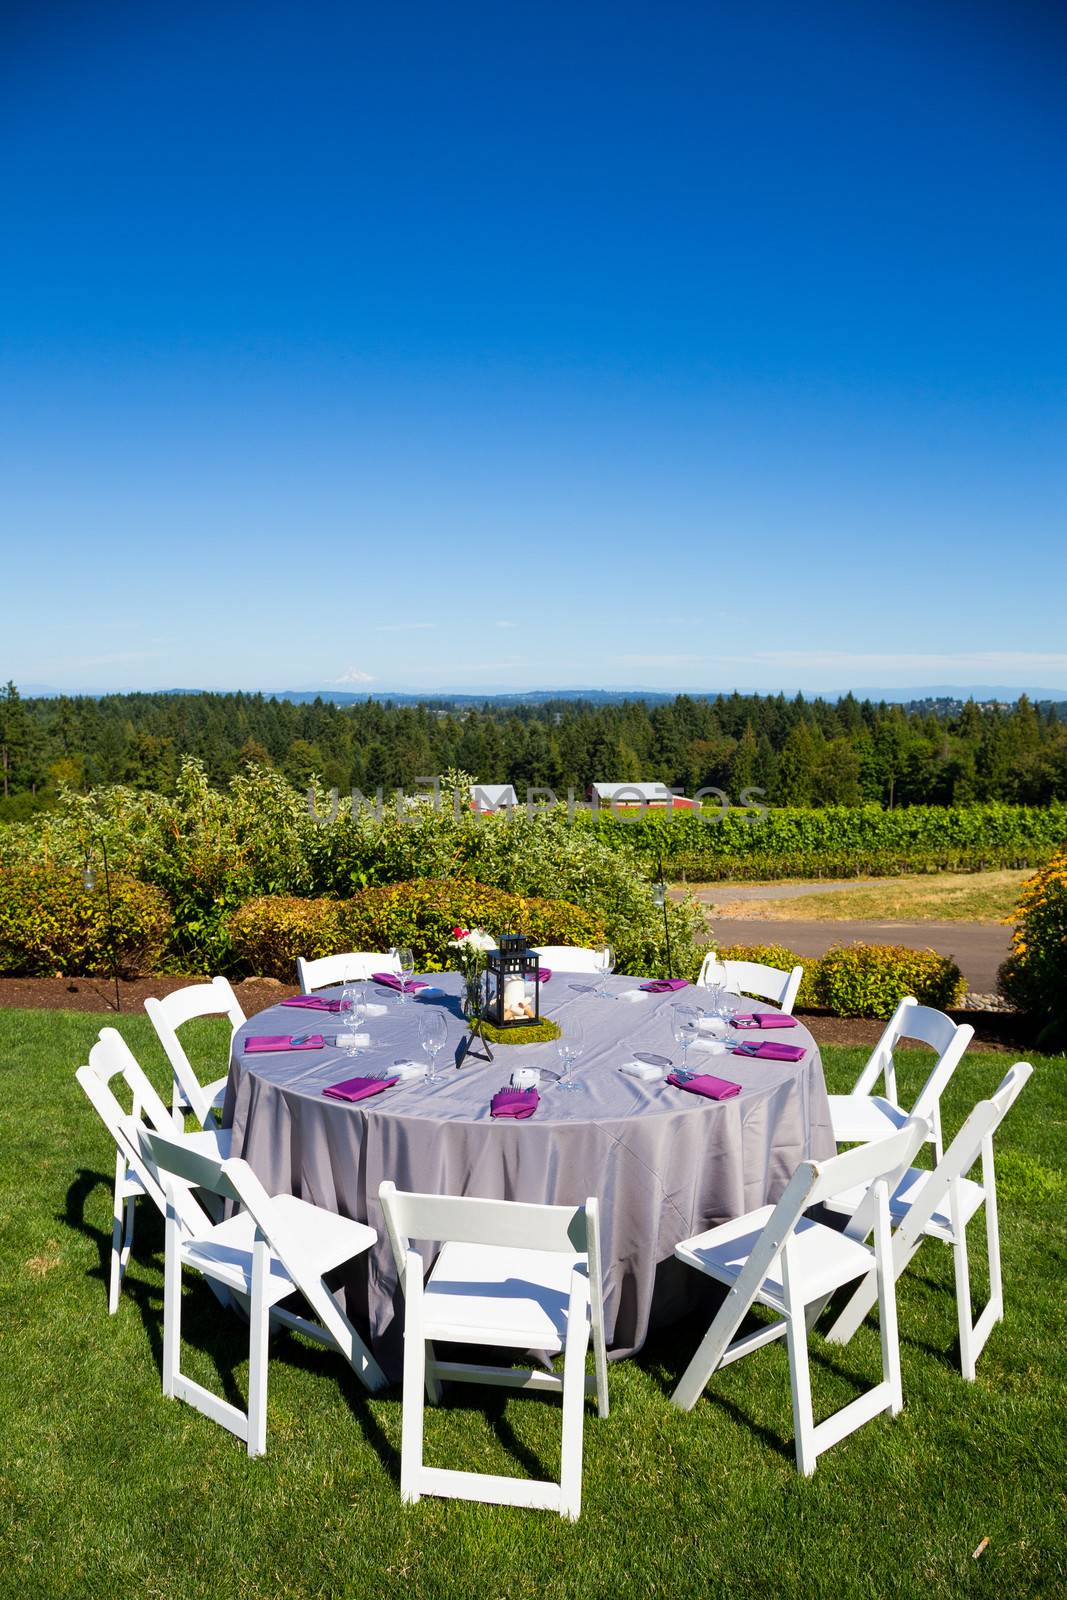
[406,959]
[432,1036]
[683,1024]
[605,965]
[350,1016]
[569,1047]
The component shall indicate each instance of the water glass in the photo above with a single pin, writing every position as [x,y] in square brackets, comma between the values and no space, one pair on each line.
[569,1047]
[433,1034]
[407,969]
[605,965]
[683,1025]
[349,1020]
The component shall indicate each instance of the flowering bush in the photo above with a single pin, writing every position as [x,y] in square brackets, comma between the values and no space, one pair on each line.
[1034,977]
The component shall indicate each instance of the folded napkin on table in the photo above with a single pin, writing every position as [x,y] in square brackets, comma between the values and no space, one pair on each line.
[544,973]
[763,1019]
[703,1083]
[661,985]
[391,980]
[281,1041]
[514,1103]
[312,1002]
[358,1088]
[767,1050]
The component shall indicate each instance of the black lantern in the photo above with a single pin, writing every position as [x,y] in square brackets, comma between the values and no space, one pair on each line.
[513,984]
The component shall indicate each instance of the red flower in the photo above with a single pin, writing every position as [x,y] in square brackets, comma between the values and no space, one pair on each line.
[461,933]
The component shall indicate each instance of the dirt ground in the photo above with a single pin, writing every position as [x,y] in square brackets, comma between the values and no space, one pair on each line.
[993,1030]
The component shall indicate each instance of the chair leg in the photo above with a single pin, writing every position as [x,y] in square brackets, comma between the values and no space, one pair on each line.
[570,1476]
[258,1356]
[887,1306]
[992,1233]
[414,1397]
[172,1304]
[799,1376]
[121,1243]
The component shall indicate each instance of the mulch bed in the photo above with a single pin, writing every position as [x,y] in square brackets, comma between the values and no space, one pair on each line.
[993,1030]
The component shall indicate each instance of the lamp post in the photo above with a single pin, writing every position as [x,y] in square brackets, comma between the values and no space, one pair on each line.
[89,880]
[659,898]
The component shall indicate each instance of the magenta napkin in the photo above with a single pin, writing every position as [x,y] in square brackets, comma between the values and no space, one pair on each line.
[544,973]
[763,1019]
[312,1002]
[358,1088]
[704,1083]
[391,980]
[768,1050]
[280,1041]
[662,985]
[514,1103]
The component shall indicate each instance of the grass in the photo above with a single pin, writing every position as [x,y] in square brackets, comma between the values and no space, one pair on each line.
[926,897]
[106,1489]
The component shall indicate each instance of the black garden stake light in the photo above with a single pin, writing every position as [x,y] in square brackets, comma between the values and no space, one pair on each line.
[89,880]
[659,898]
[513,983]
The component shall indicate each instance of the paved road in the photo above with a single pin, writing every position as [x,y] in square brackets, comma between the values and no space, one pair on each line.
[977,947]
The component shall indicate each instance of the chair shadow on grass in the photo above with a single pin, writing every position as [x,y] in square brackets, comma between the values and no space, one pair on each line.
[222,1339]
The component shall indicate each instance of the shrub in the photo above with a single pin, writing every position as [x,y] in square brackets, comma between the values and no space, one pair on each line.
[268,934]
[777,955]
[1034,977]
[50,922]
[869,980]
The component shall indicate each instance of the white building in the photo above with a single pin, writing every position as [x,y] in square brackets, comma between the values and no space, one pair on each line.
[489,797]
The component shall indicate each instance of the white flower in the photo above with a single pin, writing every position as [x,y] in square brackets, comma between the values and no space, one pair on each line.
[478,939]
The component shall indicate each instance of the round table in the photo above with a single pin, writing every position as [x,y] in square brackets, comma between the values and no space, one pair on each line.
[663,1163]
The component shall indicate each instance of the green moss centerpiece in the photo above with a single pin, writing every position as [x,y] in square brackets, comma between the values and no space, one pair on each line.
[542,1032]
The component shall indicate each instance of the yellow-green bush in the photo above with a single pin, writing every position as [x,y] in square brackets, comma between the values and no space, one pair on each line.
[1034,977]
[50,922]
[777,955]
[269,933]
[870,980]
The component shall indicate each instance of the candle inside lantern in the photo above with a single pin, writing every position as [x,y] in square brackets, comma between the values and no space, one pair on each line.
[516,1002]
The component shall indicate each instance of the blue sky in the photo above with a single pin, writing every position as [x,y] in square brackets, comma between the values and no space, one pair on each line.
[665,345]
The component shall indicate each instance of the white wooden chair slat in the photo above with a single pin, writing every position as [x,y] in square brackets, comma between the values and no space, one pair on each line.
[787,1262]
[515,1275]
[938,1205]
[753,977]
[272,1247]
[864,1115]
[214,999]
[355,966]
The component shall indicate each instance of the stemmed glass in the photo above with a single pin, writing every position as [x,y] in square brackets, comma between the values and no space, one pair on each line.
[605,965]
[352,1013]
[432,1036]
[407,970]
[683,1024]
[569,1047]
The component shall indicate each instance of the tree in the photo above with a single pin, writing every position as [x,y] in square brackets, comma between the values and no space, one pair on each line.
[14,737]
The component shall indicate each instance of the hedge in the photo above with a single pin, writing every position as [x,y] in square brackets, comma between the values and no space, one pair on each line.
[1034,977]
[268,933]
[50,923]
[863,980]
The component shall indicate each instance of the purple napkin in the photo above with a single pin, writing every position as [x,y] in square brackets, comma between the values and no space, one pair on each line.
[767,1050]
[763,1019]
[391,980]
[312,1002]
[514,1103]
[544,973]
[662,985]
[280,1041]
[358,1088]
[704,1083]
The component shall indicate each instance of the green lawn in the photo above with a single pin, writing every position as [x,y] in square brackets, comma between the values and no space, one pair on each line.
[108,1490]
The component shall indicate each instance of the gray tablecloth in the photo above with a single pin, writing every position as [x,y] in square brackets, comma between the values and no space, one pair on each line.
[663,1163]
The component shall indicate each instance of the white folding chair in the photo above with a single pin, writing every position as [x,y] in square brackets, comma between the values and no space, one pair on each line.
[262,1254]
[525,1277]
[111,1058]
[752,977]
[354,967]
[778,1258]
[567,957]
[863,1115]
[939,1205]
[214,999]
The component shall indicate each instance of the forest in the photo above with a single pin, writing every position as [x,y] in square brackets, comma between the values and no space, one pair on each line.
[799,752]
